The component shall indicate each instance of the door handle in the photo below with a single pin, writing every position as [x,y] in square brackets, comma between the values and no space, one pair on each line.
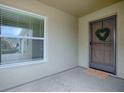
[90,43]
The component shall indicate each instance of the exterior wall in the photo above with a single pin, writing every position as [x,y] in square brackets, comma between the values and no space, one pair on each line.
[118,9]
[62,46]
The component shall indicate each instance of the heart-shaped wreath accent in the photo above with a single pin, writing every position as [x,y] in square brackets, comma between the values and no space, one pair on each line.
[102,34]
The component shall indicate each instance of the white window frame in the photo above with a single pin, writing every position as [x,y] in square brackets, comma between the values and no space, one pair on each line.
[45,39]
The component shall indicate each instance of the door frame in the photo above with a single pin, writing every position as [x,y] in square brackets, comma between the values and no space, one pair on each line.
[114,43]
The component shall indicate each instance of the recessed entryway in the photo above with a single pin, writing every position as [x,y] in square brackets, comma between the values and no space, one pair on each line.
[40,38]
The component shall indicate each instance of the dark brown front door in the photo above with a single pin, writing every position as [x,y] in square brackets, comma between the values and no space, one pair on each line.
[102,44]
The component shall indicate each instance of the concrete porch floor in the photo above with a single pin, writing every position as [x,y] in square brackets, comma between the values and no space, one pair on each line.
[74,80]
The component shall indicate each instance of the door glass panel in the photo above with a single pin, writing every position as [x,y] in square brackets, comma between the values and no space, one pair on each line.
[102,54]
[95,27]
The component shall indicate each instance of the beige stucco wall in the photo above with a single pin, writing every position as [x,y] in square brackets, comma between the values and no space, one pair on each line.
[62,45]
[118,9]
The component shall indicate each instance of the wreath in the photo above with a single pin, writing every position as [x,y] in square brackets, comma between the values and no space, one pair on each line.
[102,34]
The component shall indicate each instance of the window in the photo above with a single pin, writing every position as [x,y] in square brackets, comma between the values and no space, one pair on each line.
[22,36]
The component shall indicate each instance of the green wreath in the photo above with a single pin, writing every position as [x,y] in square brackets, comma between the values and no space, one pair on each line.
[102,34]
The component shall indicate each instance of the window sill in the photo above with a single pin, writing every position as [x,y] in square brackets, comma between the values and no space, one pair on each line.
[22,64]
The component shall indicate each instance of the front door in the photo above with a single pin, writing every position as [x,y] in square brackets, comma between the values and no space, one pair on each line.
[102,44]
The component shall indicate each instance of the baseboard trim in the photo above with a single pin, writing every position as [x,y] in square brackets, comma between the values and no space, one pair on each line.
[115,76]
